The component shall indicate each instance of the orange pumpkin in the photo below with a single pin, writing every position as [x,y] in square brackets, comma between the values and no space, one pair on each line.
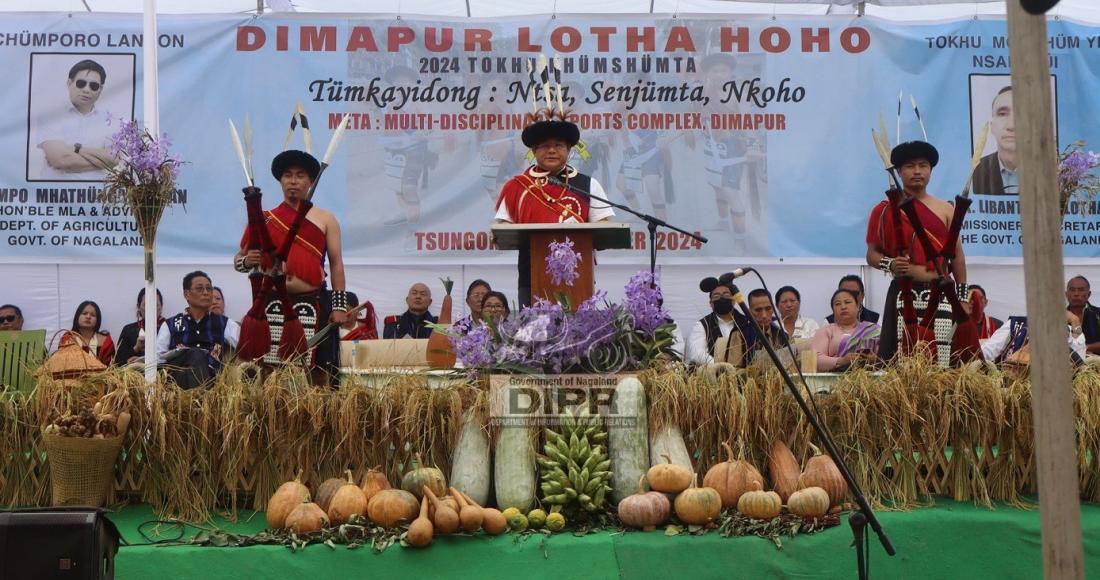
[289,496]
[669,477]
[784,470]
[759,504]
[812,502]
[373,482]
[822,472]
[698,505]
[348,501]
[731,478]
[393,506]
[306,519]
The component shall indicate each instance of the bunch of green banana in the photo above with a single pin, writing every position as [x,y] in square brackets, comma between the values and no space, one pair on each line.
[575,466]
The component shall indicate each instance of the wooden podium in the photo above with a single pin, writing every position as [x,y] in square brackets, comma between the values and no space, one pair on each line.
[587,238]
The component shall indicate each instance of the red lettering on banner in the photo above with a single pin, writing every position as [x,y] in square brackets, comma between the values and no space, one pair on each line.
[603,37]
[679,38]
[855,40]
[524,41]
[640,39]
[731,36]
[281,34]
[810,38]
[317,38]
[565,39]
[775,39]
[481,37]
[399,35]
[362,38]
[454,241]
[442,44]
[250,38]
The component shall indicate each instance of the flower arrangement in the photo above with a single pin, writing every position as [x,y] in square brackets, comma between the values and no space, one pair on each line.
[562,262]
[1077,183]
[599,336]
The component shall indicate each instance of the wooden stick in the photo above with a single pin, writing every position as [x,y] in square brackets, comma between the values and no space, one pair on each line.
[1041,218]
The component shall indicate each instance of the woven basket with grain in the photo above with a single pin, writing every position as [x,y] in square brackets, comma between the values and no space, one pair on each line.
[81,468]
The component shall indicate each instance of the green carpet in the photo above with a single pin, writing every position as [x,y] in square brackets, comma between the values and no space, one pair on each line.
[951,540]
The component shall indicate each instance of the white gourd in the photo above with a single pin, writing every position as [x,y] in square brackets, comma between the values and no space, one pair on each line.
[471,470]
[628,446]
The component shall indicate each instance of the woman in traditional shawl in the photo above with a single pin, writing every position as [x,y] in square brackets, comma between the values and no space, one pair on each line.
[848,341]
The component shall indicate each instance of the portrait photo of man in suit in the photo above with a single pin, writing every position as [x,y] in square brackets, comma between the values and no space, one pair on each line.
[996,173]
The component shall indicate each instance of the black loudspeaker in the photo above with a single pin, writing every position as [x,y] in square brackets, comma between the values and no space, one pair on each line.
[69,543]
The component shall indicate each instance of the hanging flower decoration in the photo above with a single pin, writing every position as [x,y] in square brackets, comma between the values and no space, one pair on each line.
[1078,183]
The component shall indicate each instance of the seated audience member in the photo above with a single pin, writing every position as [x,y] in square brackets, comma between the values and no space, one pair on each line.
[1078,291]
[85,332]
[365,324]
[194,342]
[475,293]
[414,322]
[217,302]
[11,318]
[1011,340]
[987,325]
[789,302]
[855,284]
[131,341]
[763,313]
[494,306]
[848,341]
[723,321]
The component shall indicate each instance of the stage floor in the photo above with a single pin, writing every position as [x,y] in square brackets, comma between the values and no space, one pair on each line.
[950,540]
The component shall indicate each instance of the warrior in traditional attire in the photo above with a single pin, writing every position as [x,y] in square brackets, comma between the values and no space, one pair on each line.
[313,236]
[892,246]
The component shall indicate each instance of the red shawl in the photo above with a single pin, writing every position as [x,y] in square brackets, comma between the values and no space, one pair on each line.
[531,202]
[307,255]
[881,225]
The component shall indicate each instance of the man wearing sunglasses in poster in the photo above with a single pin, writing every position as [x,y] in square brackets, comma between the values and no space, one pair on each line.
[77,142]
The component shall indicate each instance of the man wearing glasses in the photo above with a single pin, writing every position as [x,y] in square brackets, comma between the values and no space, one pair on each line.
[536,196]
[78,140]
[11,318]
[192,342]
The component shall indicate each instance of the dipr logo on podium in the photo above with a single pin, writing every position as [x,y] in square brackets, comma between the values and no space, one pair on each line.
[548,400]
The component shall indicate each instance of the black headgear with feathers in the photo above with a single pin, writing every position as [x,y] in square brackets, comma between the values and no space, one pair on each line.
[910,150]
[540,131]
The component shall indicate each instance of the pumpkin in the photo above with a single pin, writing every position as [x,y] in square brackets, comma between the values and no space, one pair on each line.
[759,504]
[669,477]
[421,530]
[822,472]
[446,520]
[289,496]
[348,501]
[469,517]
[306,519]
[812,502]
[698,505]
[784,470]
[373,482]
[328,490]
[731,478]
[417,479]
[645,509]
[391,506]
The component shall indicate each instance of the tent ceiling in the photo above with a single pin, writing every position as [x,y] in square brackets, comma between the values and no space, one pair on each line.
[1087,10]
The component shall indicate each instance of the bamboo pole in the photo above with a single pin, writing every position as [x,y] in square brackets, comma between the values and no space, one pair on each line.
[151,109]
[1041,217]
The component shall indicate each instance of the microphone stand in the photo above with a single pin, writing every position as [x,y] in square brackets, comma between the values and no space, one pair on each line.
[652,222]
[865,515]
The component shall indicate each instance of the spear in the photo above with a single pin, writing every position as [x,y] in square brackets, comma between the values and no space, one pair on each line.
[979,148]
[240,152]
[916,110]
[248,145]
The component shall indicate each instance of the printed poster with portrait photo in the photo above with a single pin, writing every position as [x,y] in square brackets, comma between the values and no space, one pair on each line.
[74,105]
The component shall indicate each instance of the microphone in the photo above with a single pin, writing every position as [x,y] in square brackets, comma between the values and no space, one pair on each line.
[728,276]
